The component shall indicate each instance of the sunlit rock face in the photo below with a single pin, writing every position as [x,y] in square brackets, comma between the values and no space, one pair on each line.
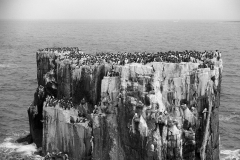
[108,111]
[60,134]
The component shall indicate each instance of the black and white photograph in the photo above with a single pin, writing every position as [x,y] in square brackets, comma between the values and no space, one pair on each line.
[119,79]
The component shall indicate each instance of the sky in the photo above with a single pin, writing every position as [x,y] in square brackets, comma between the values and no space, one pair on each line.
[120,9]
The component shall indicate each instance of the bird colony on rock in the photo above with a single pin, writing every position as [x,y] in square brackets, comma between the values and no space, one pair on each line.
[129,106]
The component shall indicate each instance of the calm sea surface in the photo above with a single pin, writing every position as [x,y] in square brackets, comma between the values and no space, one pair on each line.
[19,40]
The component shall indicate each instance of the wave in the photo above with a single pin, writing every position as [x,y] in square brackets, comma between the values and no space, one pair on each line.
[8,65]
[230,154]
[228,118]
[11,150]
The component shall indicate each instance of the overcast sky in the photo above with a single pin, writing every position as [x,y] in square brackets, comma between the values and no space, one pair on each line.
[120,9]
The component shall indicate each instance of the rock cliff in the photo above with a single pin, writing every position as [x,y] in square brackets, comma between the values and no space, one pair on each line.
[107,111]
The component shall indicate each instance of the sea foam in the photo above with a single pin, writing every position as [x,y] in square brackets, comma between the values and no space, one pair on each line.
[230,154]
[10,150]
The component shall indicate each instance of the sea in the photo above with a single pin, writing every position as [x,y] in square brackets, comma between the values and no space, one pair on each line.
[20,39]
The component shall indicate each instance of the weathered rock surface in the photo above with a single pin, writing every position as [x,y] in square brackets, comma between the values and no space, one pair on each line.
[155,111]
[61,135]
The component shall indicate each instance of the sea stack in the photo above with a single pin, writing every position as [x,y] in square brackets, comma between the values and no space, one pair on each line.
[127,106]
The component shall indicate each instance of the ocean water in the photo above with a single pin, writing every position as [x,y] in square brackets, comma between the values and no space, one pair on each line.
[19,40]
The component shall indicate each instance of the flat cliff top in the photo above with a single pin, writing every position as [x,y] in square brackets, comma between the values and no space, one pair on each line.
[76,57]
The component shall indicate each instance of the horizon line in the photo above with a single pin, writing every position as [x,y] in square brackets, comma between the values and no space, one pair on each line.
[71,19]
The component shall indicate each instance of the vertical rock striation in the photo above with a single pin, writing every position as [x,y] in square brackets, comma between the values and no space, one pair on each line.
[108,111]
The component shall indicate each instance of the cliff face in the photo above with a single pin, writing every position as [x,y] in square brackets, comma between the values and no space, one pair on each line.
[61,135]
[133,111]
[148,118]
